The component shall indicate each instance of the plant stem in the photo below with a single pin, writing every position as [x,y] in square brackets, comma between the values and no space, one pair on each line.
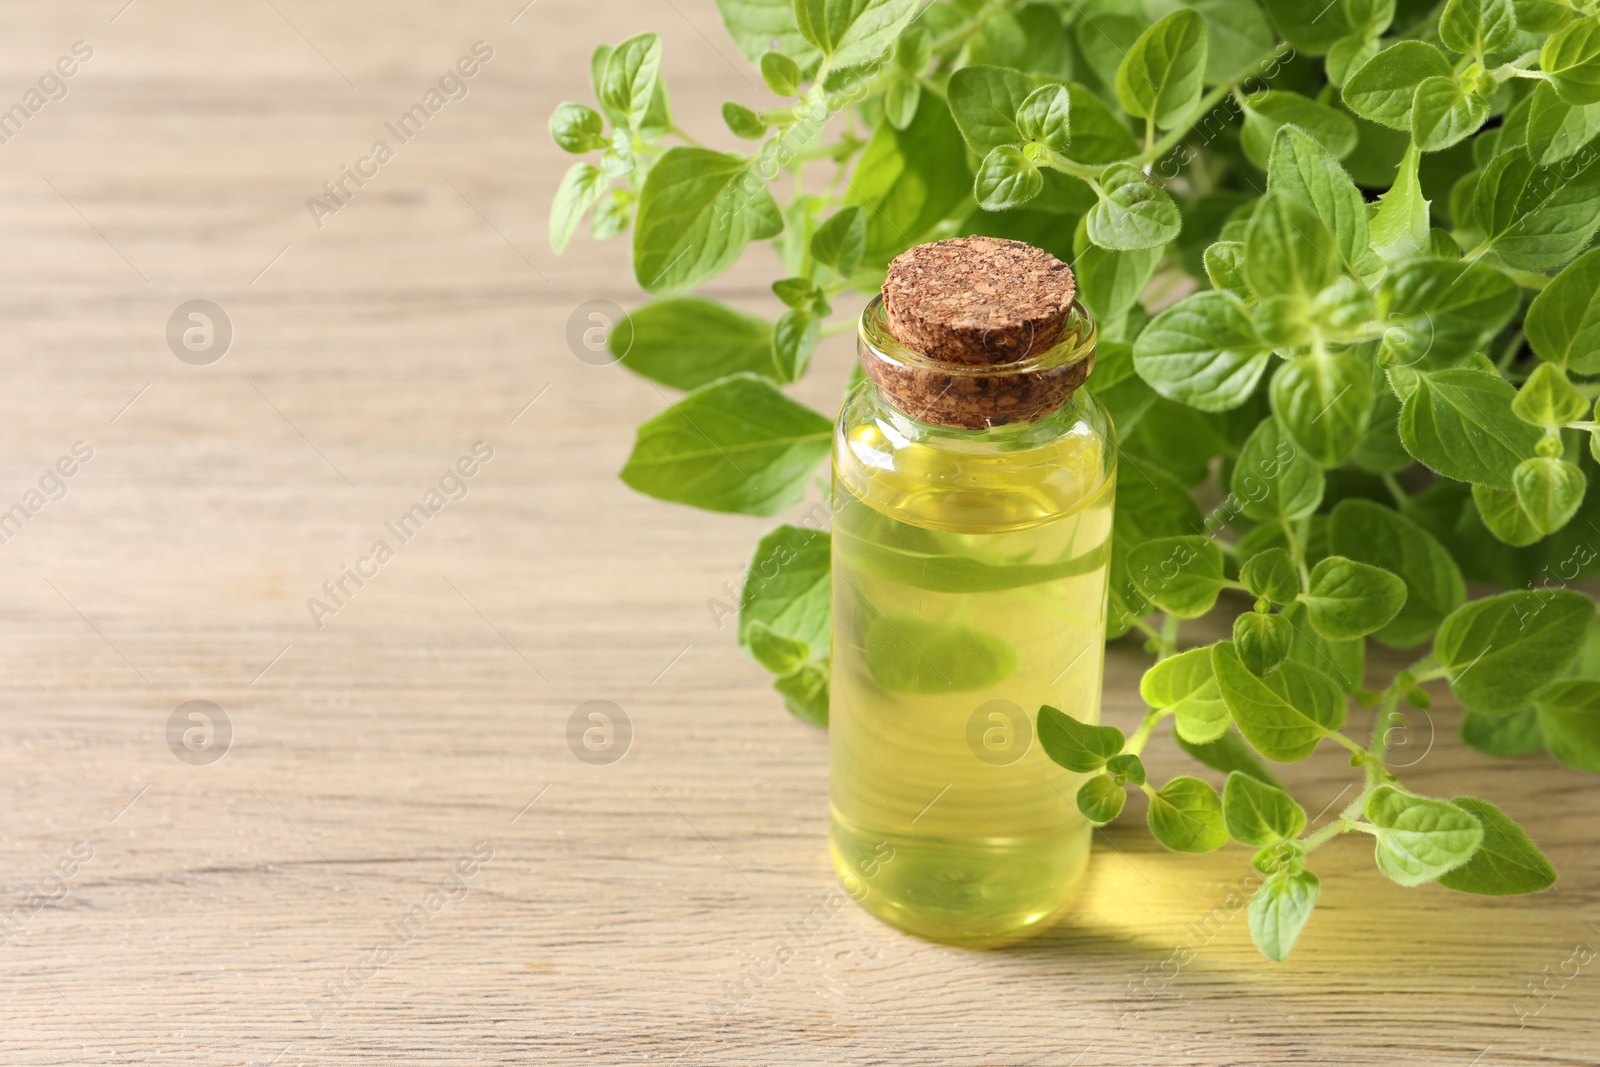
[1521,63]
[1381,722]
[1341,825]
[1174,137]
[1396,490]
[1141,735]
[1353,746]
[1297,550]
[1057,161]
[1169,637]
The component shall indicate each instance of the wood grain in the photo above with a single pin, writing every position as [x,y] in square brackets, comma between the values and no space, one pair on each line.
[274,907]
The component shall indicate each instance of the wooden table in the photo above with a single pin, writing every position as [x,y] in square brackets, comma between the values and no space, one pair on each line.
[282,905]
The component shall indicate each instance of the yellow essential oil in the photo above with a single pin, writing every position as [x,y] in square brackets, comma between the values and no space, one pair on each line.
[969,588]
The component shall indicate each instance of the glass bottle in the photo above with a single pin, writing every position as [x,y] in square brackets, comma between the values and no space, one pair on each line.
[971,541]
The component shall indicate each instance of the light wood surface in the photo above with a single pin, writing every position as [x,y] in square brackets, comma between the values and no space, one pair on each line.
[229,912]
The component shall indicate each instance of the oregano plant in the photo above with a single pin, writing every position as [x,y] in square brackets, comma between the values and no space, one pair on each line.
[1340,257]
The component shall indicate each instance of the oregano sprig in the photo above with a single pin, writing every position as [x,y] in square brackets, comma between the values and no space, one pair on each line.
[1340,261]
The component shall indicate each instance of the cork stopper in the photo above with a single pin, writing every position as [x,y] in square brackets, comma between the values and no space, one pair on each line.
[980,300]
[988,333]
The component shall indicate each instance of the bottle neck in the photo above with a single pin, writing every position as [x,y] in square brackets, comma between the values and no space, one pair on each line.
[967,396]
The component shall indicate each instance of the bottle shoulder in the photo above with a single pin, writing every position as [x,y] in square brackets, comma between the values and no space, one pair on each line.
[1008,477]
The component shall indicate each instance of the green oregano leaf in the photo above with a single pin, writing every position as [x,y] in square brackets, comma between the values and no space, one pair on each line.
[1348,55]
[1132,213]
[1400,225]
[781,73]
[1460,423]
[1537,218]
[1267,112]
[1504,516]
[1569,721]
[1227,753]
[1379,535]
[1571,59]
[629,79]
[1419,839]
[1547,399]
[1161,76]
[697,211]
[1302,167]
[1186,816]
[1285,714]
[841,242]
[1369,17]
[794,338]
[1558,130]
[778,654]
[1262,640]
[1186,685]
[1325,403]
[849,32]
[1007,179]
[1100,799]
[1180,575]
[1045,117]
[687,342]
[1203,351]
[737,444]
[1349,599]
[1280,909]
[1288,249]
[1516,734]
[1444,112]
[1549,491]
[1501,650]
[1507,863]
[1384,88]
[1110,284]
[1563,323]
[1478,27]
[1260,814]
[787,591]
[901,100]
[1075,745]
[743,121]
[805,692]
[582,185]
[984,101]
[1309,27]
[577,129]
[1436,310]
[1126,767]
[1542,16]
[1273,479]
[1343,661]
[1224,263]
[1271,574]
